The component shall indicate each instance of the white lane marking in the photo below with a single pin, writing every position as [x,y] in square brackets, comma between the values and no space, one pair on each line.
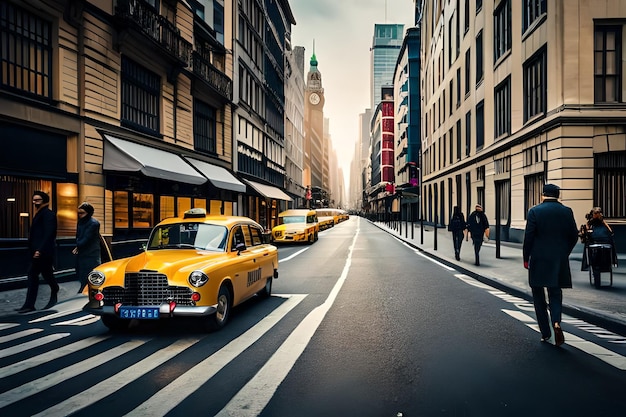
[55,315]
[79,321]
[50,380]
[605,355]
[18,335]
[255,395]
[118,381]
[4,326]
[50,356]
[290,257]
[186,384]
[32,344]
[433,260]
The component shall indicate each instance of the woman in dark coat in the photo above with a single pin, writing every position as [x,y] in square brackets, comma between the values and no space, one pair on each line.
[597,231]
[87,248]
[457,226]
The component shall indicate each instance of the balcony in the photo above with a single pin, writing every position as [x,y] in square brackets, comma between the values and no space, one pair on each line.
[141,17]
[216,79]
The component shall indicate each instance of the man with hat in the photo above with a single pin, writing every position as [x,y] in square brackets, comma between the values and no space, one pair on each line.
[478,228]
[549,238]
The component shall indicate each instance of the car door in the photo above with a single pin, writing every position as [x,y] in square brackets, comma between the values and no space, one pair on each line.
[244,263]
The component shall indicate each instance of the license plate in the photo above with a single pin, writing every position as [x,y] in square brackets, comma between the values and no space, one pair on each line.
[144,313]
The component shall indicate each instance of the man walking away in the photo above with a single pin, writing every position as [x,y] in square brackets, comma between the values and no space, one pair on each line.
[457,227]
[478,228]
[549,238]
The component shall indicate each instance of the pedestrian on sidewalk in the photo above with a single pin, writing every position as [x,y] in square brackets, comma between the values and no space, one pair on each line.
[603,256]
[458,228]
[41,246]
[87,248]
[549,238]
[478,228]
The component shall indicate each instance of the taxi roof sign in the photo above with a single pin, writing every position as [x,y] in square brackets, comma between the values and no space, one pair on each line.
[194,213]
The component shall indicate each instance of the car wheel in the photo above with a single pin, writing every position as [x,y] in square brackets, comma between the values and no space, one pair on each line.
[114,324]
[316,237]
[311,239]
[266,292]
[224,303]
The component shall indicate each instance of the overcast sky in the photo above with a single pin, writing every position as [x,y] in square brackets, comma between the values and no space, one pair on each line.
[343,32]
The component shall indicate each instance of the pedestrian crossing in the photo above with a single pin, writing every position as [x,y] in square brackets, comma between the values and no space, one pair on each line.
[77,360]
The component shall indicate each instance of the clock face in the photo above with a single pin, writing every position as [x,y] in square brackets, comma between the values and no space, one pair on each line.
[314,98]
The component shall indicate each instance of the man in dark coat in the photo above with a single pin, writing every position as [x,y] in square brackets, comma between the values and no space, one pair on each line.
[550,236]
[478,228]
[41,245]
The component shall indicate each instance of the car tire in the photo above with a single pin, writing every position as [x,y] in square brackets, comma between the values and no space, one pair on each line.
[266,292]
[316,237]
[114,324]
[311,239]
[224,303]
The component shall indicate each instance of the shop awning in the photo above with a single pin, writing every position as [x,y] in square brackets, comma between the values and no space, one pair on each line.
[268,191]
[122,155]
[218,176]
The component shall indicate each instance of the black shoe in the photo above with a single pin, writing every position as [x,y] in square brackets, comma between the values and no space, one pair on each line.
[457,257]
[52,302]
[25,310]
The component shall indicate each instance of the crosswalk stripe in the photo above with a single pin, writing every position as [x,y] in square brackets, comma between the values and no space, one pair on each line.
[50,380]
[19,335]
[4,326]
[32,344]
[55,315]
[50,356]
[119,380]
[183,386]
[79,321]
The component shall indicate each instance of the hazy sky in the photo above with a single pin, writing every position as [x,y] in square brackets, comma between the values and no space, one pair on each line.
[343,32]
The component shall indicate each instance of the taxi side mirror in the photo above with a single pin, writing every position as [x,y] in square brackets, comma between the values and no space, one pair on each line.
[240,247]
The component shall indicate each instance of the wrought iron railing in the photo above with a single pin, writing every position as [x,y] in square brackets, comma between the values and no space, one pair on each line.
[214,77]
[147,20]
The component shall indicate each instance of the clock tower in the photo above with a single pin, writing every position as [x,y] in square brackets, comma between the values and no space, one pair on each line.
[313,127]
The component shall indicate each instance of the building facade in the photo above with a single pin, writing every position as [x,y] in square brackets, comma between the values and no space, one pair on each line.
[518,94]
[386,44]
[294,126]
[313,128]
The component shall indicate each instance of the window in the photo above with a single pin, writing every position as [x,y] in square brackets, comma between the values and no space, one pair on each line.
[468,132]
[466,16]
[451,147]
[502,108]
[458,140]
[479,6]
[140,97]
[480,125]
[532,11]
[533,186]
[503,194]
[204,128]
[467,71]
[610,183]
[535,85]
[607,47]
[458,87]
[502,29]
[479,57]
[26,52]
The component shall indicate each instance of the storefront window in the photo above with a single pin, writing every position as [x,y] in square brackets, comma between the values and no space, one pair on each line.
[184,204]
[167,207]
[120,207]
[67,203]
[16,208]
[143,214]
[216,207]
[199,203]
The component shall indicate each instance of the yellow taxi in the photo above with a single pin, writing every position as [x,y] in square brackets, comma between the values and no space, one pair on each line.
[327,217]
[297,225]
[193,266]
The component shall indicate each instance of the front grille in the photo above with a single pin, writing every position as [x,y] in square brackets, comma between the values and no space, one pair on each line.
[146,289]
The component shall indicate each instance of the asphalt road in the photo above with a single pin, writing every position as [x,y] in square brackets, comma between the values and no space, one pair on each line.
[360,324]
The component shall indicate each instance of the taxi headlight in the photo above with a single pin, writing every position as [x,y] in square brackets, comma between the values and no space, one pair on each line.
[96,278]
[198,278]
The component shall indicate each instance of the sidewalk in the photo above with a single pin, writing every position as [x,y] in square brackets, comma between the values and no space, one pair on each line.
[605,306]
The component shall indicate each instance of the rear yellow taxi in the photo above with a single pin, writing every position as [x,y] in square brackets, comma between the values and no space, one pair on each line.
[193,266]
[297,225]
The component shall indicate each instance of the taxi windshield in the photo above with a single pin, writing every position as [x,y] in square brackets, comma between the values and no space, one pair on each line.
[189,236]
[293,219]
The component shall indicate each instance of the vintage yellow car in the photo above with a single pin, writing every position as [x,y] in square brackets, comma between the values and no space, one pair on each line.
[193,266]
[297,225]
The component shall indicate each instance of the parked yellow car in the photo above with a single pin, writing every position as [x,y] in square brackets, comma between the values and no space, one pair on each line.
[298,225]
[195,266]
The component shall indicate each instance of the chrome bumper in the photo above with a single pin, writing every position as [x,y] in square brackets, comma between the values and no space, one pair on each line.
[164,310]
